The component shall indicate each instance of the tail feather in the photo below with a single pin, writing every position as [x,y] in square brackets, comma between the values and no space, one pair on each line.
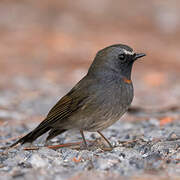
[33,135]
[54,132]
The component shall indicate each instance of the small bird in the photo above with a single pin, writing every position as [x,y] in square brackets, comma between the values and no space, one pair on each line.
[97,101]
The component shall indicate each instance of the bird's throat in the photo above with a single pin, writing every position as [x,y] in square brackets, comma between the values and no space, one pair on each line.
[128,81]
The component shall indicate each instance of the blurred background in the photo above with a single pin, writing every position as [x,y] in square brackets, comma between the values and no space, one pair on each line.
[47,46]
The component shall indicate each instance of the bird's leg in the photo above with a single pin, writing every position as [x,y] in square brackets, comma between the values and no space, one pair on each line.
[110,145]
[84,140]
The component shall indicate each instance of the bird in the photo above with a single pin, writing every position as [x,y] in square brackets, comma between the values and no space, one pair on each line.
[97,101]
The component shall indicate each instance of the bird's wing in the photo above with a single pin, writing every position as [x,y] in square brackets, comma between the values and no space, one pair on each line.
[66,105]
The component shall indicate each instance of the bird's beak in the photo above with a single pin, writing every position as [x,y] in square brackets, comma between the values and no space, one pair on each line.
[139,55]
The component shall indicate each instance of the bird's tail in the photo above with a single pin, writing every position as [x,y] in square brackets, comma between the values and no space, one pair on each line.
[33,135]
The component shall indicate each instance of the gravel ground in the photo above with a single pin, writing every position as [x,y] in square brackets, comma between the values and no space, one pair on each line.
[139,148]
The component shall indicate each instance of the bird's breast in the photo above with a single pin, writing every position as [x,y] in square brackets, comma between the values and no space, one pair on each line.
[104,106]
[118,93]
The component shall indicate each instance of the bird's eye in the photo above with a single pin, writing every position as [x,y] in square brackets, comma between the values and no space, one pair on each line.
[122,57]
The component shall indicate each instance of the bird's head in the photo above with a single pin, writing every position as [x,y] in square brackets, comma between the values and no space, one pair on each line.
[115,59]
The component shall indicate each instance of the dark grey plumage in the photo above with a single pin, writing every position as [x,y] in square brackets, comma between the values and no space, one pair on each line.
[97,101]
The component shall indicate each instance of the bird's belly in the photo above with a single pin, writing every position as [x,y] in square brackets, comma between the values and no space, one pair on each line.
[96,121]
[105,121]
[100,113]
